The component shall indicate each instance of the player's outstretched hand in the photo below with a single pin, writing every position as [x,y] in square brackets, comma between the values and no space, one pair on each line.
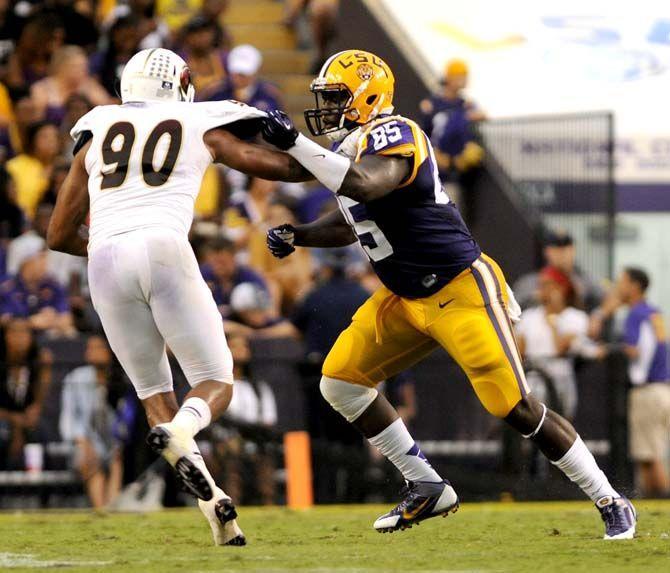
[278,129]
[280,241]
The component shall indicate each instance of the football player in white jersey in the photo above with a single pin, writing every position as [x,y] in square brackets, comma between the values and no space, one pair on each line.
[137,169]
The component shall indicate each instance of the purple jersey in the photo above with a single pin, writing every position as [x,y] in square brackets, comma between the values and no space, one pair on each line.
[644,329]
[415,237]
[446,123]
[16,299]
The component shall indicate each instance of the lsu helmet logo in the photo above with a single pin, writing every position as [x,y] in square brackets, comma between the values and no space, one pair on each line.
[365,72]
[352,88]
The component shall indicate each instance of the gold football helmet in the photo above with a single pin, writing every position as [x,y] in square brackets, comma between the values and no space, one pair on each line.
[352,88]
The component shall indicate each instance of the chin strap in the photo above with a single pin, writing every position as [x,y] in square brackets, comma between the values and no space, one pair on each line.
[539,426]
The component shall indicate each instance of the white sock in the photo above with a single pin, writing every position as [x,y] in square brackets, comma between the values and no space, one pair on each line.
[581,467]
[193,416]
[400,448]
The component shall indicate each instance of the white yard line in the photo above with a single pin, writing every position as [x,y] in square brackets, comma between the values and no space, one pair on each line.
[28,560]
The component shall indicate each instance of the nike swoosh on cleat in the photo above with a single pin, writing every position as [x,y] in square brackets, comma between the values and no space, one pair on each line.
[412,514]
[443,304]
[319,155]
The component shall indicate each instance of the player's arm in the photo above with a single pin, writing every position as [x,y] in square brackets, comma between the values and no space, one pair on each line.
[71,210]
[373,177]
[370,178]
[331,230]
[253,159]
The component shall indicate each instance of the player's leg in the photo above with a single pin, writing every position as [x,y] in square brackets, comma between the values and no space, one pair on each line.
[477,332]
[116,274]
[378,344]
[189,321]
[120,285]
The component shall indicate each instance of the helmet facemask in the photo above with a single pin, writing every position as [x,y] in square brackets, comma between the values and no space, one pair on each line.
[333,104]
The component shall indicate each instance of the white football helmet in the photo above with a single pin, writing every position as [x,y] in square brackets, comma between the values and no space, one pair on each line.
[156,75]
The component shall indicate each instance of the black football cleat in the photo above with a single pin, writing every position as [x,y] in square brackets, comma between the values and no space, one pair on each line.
[422,500]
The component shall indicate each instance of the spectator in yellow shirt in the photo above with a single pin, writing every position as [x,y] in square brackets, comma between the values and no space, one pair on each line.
[31,170]
[15,134]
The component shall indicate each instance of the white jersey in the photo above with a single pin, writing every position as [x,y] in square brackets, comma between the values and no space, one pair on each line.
[146,162]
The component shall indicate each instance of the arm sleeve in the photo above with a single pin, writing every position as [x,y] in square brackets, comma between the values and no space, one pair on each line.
[395,136]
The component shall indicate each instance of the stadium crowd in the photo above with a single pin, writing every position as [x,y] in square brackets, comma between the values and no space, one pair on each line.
[59,59]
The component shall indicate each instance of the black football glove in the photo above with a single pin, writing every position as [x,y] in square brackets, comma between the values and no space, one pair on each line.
[280,241]
[278,129]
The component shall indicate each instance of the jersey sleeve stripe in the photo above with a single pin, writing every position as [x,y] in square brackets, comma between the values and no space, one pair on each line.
[420,153]
[408,149]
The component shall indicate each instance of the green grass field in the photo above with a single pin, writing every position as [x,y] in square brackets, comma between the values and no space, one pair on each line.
[533,537]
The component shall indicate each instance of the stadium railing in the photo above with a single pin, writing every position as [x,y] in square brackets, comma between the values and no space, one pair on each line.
[559,171]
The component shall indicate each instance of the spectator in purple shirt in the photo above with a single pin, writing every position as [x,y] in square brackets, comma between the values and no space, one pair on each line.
[222,273]
[33,294]
[645,344]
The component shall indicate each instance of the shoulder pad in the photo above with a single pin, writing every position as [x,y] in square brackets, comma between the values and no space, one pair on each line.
[86,123]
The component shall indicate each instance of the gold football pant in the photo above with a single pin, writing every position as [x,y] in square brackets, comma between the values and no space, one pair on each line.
[468,318]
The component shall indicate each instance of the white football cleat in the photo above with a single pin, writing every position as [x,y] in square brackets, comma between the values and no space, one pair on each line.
[221,515]
[181,452]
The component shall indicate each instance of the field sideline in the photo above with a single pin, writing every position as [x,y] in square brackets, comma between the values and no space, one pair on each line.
[509,537]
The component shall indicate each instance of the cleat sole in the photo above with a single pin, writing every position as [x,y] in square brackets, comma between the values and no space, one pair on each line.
[191,478]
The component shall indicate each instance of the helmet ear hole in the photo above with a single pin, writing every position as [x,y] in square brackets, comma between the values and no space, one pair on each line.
[371,99]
